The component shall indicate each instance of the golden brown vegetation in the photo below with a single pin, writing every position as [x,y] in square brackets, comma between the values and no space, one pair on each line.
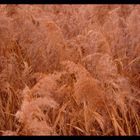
[69,69]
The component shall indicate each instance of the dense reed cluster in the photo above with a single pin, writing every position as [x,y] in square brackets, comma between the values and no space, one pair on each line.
[70,70]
